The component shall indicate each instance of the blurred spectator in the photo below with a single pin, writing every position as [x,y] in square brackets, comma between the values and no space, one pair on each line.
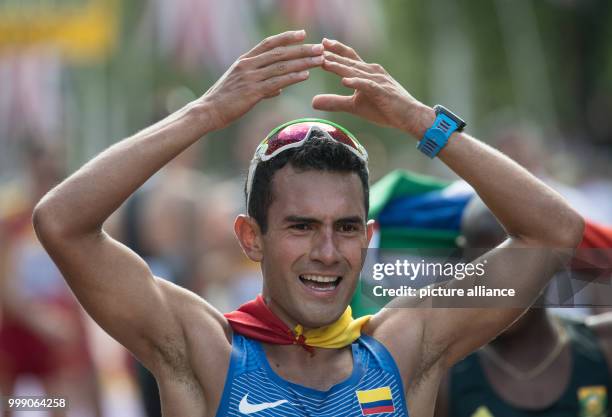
[42,333]
[227,278]
[541,366]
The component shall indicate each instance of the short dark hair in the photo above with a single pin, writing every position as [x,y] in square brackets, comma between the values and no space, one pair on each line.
[480,227]
[317,153]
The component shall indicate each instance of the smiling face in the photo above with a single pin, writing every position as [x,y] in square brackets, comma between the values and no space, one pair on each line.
[312,250]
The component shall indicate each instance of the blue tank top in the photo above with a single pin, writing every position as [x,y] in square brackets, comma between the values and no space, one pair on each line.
[252,387]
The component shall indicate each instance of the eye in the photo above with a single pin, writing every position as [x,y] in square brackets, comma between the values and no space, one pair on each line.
[300,226]
[348,228]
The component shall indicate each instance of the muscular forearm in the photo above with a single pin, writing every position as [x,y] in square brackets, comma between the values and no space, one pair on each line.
[523,204]
[82,202]
[86,199]
[526,207]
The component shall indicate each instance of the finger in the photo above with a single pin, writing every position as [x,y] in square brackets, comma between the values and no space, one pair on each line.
[286,67]
[340,49]
[363,84]
[271,42]
[282,81]
[285,53]
[330,56]
[343,70]
[332,102]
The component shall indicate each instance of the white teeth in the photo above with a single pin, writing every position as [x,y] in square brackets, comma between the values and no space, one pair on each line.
[319,278]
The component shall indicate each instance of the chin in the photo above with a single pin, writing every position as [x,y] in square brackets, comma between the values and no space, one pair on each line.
[319,316]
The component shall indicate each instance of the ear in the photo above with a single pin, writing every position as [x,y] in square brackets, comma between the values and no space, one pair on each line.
[370,229]
[249,236]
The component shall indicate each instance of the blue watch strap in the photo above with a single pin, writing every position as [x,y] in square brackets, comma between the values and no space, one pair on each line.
[436,136]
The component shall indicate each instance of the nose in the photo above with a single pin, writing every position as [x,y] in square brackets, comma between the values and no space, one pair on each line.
[325,248]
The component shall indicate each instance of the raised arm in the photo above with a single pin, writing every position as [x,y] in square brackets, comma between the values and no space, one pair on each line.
[116,287]
[534,216]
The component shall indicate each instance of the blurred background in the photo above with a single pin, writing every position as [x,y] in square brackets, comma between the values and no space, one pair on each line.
[533,78]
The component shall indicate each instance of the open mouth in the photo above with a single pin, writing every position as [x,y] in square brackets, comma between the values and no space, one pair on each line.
[320,282]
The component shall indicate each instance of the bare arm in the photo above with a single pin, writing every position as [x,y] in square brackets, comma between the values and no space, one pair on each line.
[115,286]
[534,216]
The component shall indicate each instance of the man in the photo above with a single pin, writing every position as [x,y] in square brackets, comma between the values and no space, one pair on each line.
[310,250]
[542,365]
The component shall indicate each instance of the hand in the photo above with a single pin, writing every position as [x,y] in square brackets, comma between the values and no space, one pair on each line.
[263,72]
[378,97]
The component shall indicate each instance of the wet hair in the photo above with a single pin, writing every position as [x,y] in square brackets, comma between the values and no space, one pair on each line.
[317,154]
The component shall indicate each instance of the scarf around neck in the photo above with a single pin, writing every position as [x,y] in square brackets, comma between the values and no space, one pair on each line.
[255,320]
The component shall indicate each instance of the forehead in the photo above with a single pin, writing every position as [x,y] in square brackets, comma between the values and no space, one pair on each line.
[318,194]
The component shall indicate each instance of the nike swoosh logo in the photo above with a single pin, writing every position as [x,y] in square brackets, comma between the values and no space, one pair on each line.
[245,408]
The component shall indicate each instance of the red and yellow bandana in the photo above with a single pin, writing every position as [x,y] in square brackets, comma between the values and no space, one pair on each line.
[255,320]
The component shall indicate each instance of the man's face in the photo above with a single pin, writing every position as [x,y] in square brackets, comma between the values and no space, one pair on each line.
[312,251]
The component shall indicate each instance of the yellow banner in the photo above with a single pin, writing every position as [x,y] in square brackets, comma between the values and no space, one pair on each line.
[81,33]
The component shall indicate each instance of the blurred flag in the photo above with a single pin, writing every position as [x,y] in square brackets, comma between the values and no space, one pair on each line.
[36,40]
[417,211]
[82,33]
[412,211]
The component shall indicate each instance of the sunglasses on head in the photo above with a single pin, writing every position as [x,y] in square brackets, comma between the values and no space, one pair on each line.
[294,134]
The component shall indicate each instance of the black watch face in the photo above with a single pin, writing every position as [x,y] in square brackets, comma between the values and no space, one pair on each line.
[441,109]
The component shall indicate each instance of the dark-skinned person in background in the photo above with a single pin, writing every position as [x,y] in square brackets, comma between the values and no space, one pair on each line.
[543,365]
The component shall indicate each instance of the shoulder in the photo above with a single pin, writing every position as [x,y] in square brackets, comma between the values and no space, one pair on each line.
[200,358]
[396,328]
[206,332]
[199,320]
[192,308]
[400,331]
[601,326]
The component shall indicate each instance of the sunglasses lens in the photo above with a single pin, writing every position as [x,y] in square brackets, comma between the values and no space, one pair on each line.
[340,136]
[297,132]
[288,135]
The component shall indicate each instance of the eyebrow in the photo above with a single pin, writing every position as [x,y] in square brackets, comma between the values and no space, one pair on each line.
[311,220]
[351,219]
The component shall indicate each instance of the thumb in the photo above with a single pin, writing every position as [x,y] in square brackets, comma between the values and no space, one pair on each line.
[332,102]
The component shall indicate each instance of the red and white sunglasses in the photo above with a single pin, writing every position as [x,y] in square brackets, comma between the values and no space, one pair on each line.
[294,134]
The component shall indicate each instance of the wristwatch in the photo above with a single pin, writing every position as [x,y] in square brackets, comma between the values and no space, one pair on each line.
[436,136]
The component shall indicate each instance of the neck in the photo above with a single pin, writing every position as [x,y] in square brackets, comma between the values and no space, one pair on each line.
[285,317]
[280,312]
[529,339]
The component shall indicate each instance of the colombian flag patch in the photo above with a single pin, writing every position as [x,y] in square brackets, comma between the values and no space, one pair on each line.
[375,401]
